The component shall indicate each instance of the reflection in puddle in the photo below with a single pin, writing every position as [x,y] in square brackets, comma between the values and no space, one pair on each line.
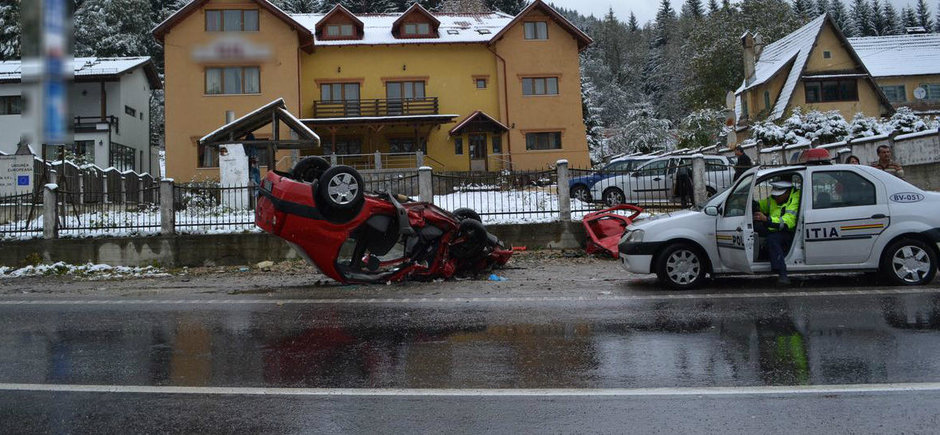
[660,344]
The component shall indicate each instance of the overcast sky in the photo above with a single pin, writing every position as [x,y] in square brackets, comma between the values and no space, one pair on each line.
[645,10]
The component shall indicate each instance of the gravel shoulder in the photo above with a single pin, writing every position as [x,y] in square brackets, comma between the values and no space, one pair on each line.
[527,273]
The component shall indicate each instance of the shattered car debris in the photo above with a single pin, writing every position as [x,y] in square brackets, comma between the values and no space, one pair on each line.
[354,236]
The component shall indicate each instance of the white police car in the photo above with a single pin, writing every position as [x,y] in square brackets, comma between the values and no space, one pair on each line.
[851,218]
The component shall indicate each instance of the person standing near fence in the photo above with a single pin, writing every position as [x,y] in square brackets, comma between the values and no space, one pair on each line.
[743,163]
[684,188]
[886,164]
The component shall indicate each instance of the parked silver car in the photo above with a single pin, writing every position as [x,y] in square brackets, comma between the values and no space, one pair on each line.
[653,181]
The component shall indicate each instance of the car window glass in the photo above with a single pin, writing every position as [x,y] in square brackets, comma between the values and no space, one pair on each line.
[714,165]
[737,200]
[616,166]
[654,168]
[832,189]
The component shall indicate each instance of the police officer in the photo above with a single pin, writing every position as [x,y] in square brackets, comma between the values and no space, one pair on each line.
[776,220]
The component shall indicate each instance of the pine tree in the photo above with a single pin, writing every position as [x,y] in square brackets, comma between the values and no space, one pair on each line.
[511,7]
[665,23]
[10,29]
[803,9]
[892,20]
[113,28]
[923,15]
[692,9]
[611,37]
[298,6]
[363,6]
[937,23]
[822,7]
[592,119]
[633,25]
[908,17]
[712,6]
[726,5]
[861,19]
[879,25]
[839,15]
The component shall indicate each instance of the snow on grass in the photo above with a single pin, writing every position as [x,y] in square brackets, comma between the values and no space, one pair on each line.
[89,271]
[532,205]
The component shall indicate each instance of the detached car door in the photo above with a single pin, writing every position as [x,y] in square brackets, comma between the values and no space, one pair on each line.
[847,213]
[734,232]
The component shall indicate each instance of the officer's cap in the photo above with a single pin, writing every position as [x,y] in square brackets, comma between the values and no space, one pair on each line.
[780,187]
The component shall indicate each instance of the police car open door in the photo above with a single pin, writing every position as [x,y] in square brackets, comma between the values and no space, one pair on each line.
[734,232]
[847,214]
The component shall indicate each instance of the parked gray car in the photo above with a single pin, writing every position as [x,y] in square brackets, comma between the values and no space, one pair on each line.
[653,181]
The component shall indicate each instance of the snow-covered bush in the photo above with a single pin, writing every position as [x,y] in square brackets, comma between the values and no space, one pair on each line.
[905,121]
[771,135]
[865,126]
[823,127]
[702,128]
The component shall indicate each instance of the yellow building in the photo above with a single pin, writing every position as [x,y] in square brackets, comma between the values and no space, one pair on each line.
[465,91]
[814,68]
[906,67]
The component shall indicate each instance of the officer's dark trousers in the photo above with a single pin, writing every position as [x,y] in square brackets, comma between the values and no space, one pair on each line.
[778,243]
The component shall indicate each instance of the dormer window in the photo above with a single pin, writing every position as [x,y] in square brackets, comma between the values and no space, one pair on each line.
[339,30]
[416,29]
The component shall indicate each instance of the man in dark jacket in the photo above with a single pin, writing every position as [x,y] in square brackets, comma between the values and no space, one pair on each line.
[744,162]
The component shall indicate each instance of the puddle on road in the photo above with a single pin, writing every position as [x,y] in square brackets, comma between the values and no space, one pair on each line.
[654,344]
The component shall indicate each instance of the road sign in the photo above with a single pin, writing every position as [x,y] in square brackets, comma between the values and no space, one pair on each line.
[16,175]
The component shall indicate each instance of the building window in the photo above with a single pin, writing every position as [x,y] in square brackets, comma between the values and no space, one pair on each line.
[405,145]
[130,111]
[348,146]
[406,90]
[208,157]
[831,91]
[827,54]
[122,157]
[232,20]
[543,141]
[458,146]
[933,91]
[536,30]
[497,144]
[233,80]
[540,86]
[339,92]
[744,112]
[416,29]
[339,30]
[84,149]
[11,105]
[481,83]
[895,94]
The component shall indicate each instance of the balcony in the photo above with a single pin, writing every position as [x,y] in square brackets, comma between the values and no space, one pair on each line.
[379,108]
[91,124]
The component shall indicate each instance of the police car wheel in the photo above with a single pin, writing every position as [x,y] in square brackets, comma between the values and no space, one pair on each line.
[909,262]
[681,267]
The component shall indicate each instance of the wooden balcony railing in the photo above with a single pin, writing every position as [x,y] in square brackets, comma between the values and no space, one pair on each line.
[379,107]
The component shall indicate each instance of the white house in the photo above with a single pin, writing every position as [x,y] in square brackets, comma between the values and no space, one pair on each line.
[109,102]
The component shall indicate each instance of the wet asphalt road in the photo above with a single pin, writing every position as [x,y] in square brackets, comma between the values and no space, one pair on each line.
[741,357]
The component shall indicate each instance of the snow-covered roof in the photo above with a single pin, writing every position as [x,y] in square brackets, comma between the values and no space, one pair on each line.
[454,28]
[11,70]
[901,55]
[793,50]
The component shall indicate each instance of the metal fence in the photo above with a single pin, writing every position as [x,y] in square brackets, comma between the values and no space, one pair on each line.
[395,183]
[20,216]
[500,196]
[211,209]
[136,211]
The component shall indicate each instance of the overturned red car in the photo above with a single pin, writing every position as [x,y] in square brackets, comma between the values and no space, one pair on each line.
[354,236]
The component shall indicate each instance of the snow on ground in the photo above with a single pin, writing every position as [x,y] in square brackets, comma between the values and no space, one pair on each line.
[89,271]
[510,207]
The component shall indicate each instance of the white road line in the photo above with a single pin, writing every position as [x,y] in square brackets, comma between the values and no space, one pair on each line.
[368,301]
[477,392]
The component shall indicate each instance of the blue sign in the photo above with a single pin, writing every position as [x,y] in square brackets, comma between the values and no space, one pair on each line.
[22,180]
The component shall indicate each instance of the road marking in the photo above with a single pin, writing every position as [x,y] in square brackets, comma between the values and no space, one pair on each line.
[367,301]
[482,392]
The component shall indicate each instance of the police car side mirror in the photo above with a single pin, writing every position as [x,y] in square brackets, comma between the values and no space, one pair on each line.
[711,210]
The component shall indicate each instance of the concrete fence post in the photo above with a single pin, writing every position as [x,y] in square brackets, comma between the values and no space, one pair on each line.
[419,158]
[104,187]
[167,211]
[50,208]
[564,192]
[425,184]
[140,190]
[698,179]
[378,160]
[333,159]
